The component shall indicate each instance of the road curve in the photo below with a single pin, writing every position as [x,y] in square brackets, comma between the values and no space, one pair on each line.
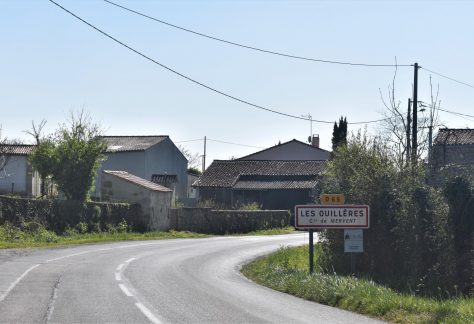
[167,281]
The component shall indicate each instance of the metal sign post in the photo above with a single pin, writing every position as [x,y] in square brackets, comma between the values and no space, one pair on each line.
[332,215]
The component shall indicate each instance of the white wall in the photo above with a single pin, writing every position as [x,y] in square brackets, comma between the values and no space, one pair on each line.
[14,172]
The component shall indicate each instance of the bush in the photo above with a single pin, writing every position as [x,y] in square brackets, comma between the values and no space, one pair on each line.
[408,245]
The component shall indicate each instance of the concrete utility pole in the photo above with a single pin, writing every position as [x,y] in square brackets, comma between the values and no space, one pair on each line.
[204,156]
[414,147]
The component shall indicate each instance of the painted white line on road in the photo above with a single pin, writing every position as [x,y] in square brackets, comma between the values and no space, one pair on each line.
[76,254]
[125,290]
[118,277]
[14,283]
[147,313]
[120,267]
[130,260]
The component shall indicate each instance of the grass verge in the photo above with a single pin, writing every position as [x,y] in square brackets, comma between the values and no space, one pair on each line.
[49,239]
[287,271]
[35,235]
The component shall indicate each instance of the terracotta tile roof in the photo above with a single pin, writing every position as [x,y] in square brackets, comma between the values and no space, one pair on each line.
[137,180]
[131,143]
[454,136]
[17,149]
[227,173]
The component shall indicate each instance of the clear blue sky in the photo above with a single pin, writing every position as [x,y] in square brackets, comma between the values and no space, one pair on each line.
[50,63]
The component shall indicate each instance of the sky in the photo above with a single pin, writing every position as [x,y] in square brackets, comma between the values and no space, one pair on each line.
[52,64]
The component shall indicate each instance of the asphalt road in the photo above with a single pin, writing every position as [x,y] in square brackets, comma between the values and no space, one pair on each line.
[168,281]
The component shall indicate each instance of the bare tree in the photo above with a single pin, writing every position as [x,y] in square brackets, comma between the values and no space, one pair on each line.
[36,130]
[396,126]
[194,159]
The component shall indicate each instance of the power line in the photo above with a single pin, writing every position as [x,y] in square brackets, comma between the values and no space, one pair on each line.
[220,141]
[447,77]
[193,140]
[214,140]
[456,113]
[200,83]
[251,47]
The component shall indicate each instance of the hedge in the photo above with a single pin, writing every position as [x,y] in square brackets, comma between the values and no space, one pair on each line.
[59,215]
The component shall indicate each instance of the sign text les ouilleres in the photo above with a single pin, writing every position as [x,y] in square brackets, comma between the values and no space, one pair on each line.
[331,216]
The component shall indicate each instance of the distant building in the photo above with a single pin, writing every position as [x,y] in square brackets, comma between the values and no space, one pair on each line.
[154,199]
[271,184]
[293,150]
[453,151]
[17,176]
[153,158]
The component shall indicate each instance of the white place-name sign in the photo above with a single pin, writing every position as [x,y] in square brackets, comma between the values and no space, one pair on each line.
[331,216]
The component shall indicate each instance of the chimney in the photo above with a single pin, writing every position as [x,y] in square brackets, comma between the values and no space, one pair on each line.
[315,140]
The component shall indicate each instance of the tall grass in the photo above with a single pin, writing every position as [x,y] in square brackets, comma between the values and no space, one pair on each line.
[287,271]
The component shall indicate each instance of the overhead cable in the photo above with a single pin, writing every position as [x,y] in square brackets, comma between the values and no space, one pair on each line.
[251,47]
[447,77]
[200,83]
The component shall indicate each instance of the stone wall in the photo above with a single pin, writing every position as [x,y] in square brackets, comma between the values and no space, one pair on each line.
[206,220]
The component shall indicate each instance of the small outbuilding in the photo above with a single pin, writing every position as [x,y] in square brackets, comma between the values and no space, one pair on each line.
[154,199]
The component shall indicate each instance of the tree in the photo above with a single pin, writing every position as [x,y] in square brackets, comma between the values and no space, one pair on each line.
[194,159]
[339,133]
[37,132]
[396,127]
[71,156]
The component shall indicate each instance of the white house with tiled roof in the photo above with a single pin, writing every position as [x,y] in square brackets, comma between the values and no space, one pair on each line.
[153,158]
[16,174]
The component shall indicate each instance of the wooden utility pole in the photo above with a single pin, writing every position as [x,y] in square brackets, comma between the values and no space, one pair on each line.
[414,147]
[408,129]
[204,156]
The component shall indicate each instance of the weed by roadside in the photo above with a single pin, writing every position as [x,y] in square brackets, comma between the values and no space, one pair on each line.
[287,271]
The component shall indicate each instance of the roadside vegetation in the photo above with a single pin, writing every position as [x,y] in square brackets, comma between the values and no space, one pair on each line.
[287,271]
[32,234]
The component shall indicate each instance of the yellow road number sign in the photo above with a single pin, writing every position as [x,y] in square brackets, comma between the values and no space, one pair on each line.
[332,199]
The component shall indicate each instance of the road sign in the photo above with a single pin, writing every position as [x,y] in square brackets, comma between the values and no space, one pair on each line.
[354,240]
[332,199]
[331,216]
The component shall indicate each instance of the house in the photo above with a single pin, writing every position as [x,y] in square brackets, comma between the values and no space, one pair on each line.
[279,184]
[154,199]
[291,151]
[452,152]
[16,174]
[453,146]
[153,158]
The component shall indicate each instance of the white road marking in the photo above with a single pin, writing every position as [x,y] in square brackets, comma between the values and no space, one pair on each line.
[14,283]
[118,277]
[125,290]
[76,254]
[130,260]
[120,267]
[147,313]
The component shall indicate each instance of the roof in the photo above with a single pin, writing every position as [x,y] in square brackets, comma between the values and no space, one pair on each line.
[17,149]
[290,183]
[248,157]
[164,178]
[245,173]
[132,143]
[454,136]
[137,180]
